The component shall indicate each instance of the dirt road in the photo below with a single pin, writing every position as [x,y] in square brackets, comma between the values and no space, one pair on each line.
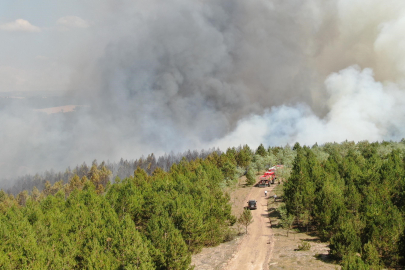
[252,251]
[255,249]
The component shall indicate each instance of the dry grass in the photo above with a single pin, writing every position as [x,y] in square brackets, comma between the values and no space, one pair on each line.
[286,253]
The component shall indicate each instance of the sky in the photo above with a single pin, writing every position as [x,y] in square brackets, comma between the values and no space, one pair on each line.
[38,37]
[160,76]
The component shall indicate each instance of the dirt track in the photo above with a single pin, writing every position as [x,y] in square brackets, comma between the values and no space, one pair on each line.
[254,251]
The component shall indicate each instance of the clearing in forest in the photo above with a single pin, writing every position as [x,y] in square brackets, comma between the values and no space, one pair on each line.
[264,247]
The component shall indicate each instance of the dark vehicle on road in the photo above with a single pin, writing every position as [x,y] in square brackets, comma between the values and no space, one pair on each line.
[252,204]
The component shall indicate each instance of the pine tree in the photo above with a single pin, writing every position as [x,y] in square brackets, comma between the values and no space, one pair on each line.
[261,150]
[245,219]
[243,157]
[135,253]
[172,252]
[250,178]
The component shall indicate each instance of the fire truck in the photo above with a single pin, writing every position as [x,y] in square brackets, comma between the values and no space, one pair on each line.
[269,176]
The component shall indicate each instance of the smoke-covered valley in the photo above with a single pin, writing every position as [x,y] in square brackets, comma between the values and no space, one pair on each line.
[159,76]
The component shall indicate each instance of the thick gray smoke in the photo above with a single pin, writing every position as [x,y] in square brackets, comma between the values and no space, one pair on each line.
[160,76]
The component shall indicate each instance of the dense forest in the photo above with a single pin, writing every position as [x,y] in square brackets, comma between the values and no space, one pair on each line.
[141,222]
[154,213]
[353,195]
[150,220]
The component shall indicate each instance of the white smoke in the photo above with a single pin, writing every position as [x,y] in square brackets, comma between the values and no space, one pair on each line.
[360,105]
[359,109]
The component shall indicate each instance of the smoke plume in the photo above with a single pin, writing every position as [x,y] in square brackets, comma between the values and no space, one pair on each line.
[160,76]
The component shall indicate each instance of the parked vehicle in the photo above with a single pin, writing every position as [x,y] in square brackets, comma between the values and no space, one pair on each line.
[252,204]
[266,180]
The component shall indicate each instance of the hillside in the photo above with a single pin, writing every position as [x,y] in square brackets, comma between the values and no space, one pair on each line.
[350,195]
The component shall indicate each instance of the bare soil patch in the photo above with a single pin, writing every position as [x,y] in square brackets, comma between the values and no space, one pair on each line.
[216,257]
[239,196]
[286,256]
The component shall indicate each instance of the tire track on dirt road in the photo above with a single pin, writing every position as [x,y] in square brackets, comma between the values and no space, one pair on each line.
[255,249]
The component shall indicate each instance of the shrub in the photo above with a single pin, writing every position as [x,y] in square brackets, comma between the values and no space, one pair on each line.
[304,246]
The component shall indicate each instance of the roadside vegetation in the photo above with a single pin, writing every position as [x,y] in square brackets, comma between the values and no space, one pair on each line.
[352,195]
[295,247]
[245,219]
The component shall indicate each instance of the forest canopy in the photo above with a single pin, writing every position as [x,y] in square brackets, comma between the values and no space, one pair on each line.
[354,197]
[149,220]
[157,216]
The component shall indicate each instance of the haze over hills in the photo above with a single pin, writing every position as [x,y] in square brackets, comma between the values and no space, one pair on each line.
[160,76]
